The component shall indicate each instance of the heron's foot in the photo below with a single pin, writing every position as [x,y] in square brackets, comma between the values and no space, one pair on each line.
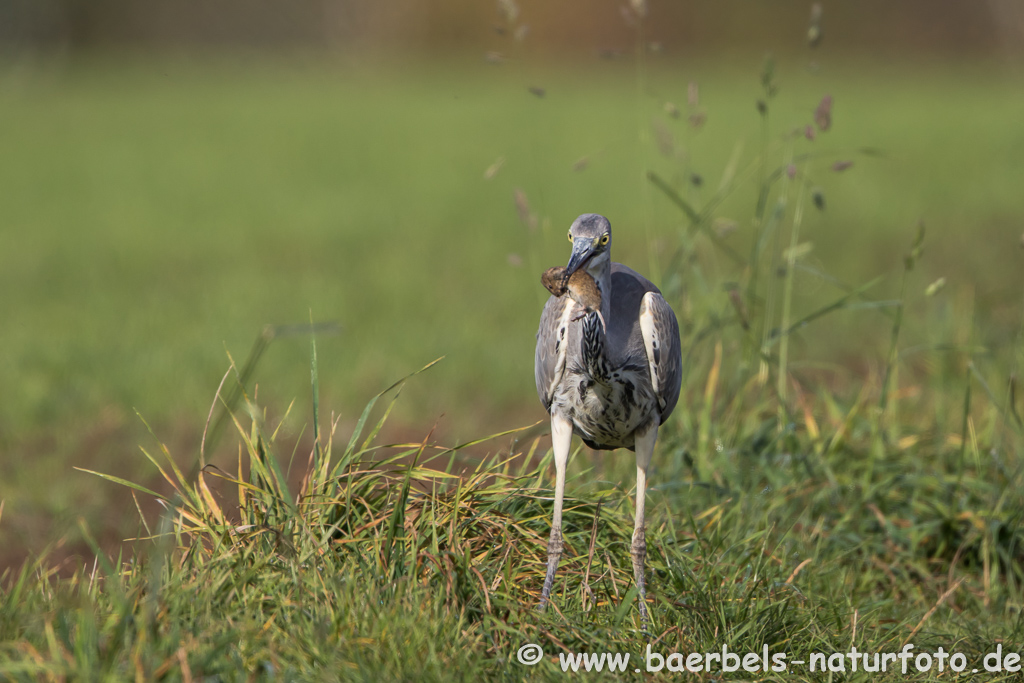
[639,553]
[554,555]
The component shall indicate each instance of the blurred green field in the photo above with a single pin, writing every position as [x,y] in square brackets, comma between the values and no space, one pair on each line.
[158,213]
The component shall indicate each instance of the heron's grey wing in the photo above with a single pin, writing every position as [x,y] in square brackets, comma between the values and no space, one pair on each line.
[552,342]
[660,331]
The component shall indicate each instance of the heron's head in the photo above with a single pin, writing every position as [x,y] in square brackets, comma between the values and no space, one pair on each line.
[591,237]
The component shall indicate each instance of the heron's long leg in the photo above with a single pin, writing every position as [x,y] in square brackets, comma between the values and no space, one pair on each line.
[561,440]
[644,450]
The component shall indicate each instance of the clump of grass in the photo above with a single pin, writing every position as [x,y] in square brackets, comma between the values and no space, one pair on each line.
[389,566]
[392,562]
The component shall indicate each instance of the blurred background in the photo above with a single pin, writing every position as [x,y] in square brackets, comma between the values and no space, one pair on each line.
[178,174]
[407,27]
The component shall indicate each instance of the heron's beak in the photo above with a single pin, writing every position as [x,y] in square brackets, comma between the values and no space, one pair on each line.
[582,251]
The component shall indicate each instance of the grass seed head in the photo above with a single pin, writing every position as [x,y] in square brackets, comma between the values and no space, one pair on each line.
[823,114]
[814,29]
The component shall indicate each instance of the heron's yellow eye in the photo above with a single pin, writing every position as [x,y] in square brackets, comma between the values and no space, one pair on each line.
[570,235]
[604,239]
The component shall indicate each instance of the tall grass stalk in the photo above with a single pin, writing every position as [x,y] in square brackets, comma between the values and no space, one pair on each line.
[790,255]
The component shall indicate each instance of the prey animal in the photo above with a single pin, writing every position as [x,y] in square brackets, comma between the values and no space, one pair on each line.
[607,368]
[580,286]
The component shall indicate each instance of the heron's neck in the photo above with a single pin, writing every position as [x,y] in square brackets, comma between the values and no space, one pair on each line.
[602,274]
[592,346]
[594,334]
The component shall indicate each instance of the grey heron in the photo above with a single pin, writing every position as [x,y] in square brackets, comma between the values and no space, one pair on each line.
[612,375]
